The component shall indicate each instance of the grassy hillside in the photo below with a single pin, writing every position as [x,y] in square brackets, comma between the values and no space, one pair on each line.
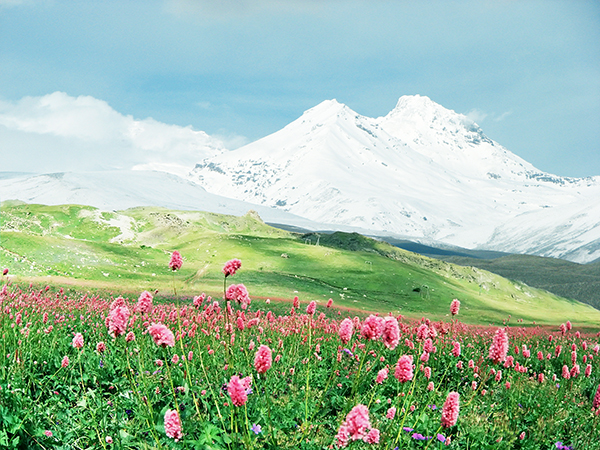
[564,278]
[128,251]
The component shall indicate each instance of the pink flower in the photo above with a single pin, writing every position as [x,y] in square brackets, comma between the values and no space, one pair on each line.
[346,330]
[239,293]
[357,422]
[144,303]
[391,413]
[263,359]
[175,358]
[311,308]
[161,335]
[65,362]
[117,320]
[566,374]
[456,349]
[342,436]
[454,307]
[372,437]
[100,347]
[499,347]
[237,391]
[231,267]
[427,372]
[199,299]
[48,433]
[596,402]
[5,272]
[372,327]
[173,424]
[588,370]
[77,340]
[404,369]
[391,332]
[450,410]
[382,375]
[430,386]
[176,261]
[329,303]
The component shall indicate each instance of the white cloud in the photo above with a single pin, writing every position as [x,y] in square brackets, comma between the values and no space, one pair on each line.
[502,116]
[476,115]
[57,132]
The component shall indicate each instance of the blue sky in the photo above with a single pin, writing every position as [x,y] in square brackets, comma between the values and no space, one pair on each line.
[527,71]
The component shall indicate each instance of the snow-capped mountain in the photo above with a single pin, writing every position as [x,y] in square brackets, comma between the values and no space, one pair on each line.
[421,171]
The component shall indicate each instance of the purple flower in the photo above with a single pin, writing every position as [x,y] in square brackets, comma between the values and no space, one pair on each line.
[420,437]
[256,428]
[408,430]
[441,437]
[348,352]
[433,407]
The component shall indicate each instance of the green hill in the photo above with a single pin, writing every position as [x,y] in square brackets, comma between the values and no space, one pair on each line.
[128,251]
[564,278]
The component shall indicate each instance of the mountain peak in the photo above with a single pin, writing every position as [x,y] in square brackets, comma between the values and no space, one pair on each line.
[325,109]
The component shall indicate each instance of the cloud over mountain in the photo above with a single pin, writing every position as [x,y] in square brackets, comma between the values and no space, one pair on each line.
[84,133]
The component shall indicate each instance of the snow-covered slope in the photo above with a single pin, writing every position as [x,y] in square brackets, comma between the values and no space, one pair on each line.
[421,171]
[118,190]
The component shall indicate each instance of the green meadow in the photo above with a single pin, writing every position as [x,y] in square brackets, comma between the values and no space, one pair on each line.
[125,252]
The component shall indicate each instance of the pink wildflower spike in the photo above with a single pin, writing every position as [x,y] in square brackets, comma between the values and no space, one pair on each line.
[404,369]
[161,335]
[117,320]
[342,436]
[382,375]
[239,293]
[357,422]
[77,340]
[596,402]
[144,303]
[231,267]
[454,307]
[173,425]
[5,272]
[372,436]
[391,413]
[391,332]
[100,347]
[499,347]
[450,410]
[65,362]
[130,337]
[311,308]
[346,330]
[329,303]
[372,327]
[197,302]
[263,359]
[237,391]
[456,349]
[176,261]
